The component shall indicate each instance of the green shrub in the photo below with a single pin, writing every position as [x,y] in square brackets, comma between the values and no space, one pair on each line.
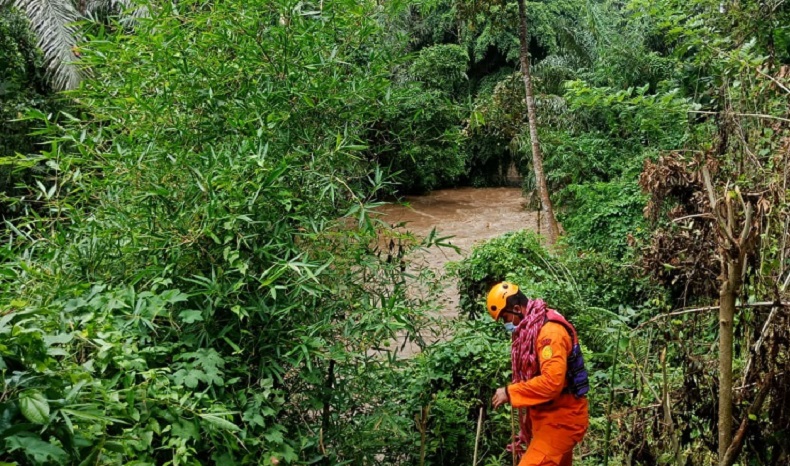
[424,144]
[22,84]
[583,158]
[442,68]
[418,138]
[444,388]
[604,217]
[519,257]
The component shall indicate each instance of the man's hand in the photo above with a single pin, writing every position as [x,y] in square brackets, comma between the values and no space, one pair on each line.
[500,398]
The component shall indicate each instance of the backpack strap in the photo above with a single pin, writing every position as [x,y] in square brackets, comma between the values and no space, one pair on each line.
[554,316]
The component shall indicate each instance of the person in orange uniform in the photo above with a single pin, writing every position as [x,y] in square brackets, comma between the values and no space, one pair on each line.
[543,342]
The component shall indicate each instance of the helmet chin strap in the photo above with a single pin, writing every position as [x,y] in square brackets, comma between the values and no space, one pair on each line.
[517,311]
[517,314]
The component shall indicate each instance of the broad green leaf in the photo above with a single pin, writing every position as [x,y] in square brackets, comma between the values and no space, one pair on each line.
[220,423]
[274,435]
[60,339]
[174,296]
[191,316]
[37,450]
[34,406]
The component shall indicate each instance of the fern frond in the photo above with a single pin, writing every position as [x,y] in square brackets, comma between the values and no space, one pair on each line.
[53,23]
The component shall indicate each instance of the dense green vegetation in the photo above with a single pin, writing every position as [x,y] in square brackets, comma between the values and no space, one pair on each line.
[191,272]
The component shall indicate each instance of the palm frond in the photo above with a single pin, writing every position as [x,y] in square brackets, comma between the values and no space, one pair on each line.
[129,10]
[553,71]
[53,23]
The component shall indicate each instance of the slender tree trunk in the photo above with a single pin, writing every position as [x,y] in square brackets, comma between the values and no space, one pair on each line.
[733,250]
[537,156]
[727,294]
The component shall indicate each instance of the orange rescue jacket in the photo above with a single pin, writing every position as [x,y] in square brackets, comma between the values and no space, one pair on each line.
[543,394]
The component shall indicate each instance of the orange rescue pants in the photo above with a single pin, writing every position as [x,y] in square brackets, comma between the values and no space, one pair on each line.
[552,445]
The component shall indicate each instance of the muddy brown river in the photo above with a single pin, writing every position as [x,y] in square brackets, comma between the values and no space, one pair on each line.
[470,215]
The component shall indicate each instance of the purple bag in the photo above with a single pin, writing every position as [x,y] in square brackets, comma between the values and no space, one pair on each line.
[578,380]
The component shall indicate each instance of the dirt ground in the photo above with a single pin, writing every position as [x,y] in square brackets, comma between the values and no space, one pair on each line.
[470,215]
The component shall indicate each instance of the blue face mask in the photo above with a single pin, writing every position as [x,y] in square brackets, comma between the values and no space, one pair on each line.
[510,327]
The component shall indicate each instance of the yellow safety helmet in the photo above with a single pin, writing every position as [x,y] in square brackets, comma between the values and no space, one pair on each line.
[497,298]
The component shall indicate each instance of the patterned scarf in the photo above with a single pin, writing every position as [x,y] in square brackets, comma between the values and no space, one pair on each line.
[524,361]
[523,354]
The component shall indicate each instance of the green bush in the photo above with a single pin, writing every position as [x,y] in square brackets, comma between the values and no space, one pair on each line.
[22,84]
[419,138]
[445,387]
[583,158]
[519,257]
[605,217]
[442,68]
[424,144]
[589,288]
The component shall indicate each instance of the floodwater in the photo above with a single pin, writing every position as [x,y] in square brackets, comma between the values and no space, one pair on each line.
[470,216]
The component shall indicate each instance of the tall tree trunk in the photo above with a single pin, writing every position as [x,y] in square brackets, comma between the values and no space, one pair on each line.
[727,293]
[537,156]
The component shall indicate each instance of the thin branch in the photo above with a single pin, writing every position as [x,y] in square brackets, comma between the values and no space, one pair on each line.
[775,81]
[667,408]
[709,187]
[748,209]
[730,216]
[713,204]
[784,249]
[758,344]
[747,223]
[707,215]
[754,115]
[711,308]
[644,377]
[787,281]
[746,144]
[734,449]
[479,419]
[754,384]
[727,227]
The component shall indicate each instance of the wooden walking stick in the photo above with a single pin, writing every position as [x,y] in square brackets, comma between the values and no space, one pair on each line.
[512,436]
[477,437]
